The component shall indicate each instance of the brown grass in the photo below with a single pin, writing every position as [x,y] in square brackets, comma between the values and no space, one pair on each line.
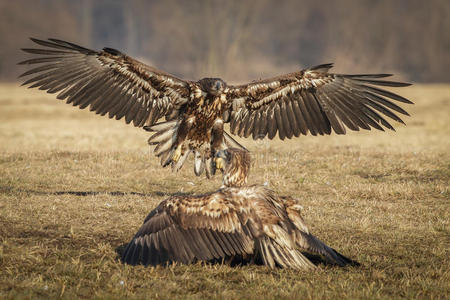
[75,186]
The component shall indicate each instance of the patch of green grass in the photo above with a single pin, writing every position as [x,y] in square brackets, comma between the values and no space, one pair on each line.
[74,187]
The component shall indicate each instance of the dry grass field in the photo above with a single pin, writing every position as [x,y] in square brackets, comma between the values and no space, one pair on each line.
[75,186]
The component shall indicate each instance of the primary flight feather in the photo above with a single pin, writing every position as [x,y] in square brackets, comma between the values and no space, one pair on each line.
[309,101]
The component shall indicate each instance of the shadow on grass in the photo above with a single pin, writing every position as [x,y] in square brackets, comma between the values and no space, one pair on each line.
[238,260]
[113,193]
[94,193]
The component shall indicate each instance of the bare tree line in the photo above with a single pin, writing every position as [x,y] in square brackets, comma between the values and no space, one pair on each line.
[241,40]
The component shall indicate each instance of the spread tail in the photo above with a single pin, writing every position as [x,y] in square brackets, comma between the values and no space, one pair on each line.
[165,140]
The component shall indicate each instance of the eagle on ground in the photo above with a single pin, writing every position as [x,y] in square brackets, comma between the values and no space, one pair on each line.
[236,224]
[309,101]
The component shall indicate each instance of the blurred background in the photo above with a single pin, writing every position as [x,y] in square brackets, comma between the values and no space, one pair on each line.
[242,40]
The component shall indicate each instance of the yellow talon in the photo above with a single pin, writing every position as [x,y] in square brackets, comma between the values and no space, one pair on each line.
[219,163]
[177,154]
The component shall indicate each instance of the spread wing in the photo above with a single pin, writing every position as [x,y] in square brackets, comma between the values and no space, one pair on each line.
[107,81]
[308,242]
[314,101]
[187,229]
[224,225]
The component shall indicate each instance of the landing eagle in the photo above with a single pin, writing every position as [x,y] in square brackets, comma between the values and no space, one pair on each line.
[311,100]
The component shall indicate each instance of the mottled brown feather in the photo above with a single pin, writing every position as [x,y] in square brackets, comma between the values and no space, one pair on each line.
[236,221]
[316,100]
[311,100]
[91,70]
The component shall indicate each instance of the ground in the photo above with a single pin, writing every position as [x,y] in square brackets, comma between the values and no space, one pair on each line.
[75,186]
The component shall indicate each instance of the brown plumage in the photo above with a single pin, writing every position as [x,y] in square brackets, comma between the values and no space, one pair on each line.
[237,222]
[309,101]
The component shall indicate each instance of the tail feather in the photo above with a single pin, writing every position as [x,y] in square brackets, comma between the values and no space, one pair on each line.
[165,136]
[163,147]
[166,158]
[162,126]
[164,139]
[162,136]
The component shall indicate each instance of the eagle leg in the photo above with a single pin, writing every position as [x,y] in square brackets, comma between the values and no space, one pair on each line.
[217,143]
[216,137]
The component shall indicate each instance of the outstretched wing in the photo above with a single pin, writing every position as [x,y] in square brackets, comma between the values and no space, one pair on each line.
[314,101]
[308,242]
[187,229]
[107,81]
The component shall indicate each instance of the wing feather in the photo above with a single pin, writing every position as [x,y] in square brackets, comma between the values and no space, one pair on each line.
[141,114]
[385,102]
[313,112]
[245,119]
[254,129]
[357,109]
[62,83]
[315,101]
[86,91]
[84,77]
[278,118]
[337,110]
[377,117]
[233,122]
[93,98]
[132,112]
[384,111]
[196,244]
[301,123]
[286,122]
[272,123]
[74,87]
[219,236]
[114,95]
[186,229]
[302,101]
[292,120]
[41,69]
[122,101]
[262,131]
[353,112]
[250,124]
[211,243]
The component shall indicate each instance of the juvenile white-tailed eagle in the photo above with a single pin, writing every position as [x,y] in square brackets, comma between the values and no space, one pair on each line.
[236,223]
[311,100]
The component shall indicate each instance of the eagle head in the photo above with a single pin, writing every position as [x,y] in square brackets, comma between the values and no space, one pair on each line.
[235,166]
[212,86]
